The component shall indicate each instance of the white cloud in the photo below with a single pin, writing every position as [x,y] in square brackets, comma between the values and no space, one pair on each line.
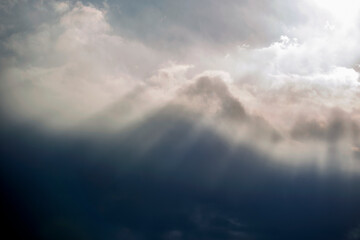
[67,71]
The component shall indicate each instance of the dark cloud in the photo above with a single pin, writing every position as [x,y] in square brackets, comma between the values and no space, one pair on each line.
[354,234]
[213,91]
[177,24]
[309,130]
[332,130]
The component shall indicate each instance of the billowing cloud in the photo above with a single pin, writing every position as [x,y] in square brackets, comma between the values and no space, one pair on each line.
[78,71]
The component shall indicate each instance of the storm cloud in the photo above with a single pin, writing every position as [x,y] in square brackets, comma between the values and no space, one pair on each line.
[181,120]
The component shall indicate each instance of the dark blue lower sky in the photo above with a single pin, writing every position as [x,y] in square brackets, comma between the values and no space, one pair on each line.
[61,187]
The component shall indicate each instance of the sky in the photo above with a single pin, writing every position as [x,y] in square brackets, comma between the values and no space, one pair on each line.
[166,119]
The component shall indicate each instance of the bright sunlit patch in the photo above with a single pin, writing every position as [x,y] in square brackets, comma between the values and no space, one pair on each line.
[344,11]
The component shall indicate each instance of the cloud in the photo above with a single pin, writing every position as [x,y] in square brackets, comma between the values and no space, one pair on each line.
[68,70]
[162,25]
[354,234]
[61,6]
[181,120]
[78,71]
[210,91]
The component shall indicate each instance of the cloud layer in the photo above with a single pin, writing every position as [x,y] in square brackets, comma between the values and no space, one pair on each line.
[180,120]
[286,82]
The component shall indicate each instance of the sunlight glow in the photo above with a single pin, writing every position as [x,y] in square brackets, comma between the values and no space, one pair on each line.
[344,11]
